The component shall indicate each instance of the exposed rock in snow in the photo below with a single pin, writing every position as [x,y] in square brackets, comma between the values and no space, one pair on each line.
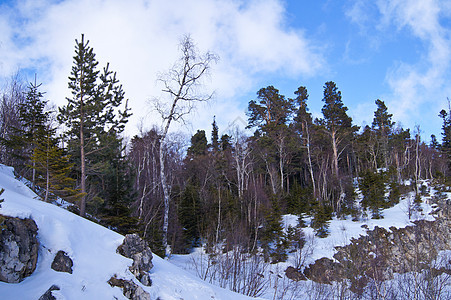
[18,248]
[62,262]
[294,274]
[137,249]
[130,289]
[381,253]
[48,294]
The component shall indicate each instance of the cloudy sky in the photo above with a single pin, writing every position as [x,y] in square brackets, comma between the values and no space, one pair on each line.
[398,51]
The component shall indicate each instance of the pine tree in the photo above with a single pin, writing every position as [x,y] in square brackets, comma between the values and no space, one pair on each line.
[337,122]
[270,114]
[383,126]
[339,127]
[90,114]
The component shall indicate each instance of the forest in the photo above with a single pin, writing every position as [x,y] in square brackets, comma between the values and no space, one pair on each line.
[223,190]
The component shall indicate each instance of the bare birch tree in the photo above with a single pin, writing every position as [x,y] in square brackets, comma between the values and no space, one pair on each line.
[182,84]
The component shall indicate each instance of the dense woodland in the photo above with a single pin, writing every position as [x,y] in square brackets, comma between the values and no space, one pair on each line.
[227,190]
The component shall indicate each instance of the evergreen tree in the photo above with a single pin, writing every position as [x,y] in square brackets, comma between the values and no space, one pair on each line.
[320,221]
[118,193]
[225,142]
[372,185]
[199,144]
[270,114]
[30,129]
[215,136]
[90,115]
[53,170]
[339,127]
[383,126]
[189,213]
[337,122]
[446,134]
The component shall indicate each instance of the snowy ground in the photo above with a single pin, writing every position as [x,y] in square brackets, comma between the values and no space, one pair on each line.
[340,234]
[93,251]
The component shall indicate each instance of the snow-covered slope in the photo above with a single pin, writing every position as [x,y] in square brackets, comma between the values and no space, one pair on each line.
[93,251]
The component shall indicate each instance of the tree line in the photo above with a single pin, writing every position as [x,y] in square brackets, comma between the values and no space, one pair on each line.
[224,190]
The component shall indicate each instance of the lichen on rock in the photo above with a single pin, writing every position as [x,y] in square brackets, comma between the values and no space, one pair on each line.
[18,249]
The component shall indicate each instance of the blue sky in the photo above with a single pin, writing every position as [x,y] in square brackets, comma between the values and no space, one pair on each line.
[398,51]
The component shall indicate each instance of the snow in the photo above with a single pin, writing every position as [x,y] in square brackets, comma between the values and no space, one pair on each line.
[93,251]
[341,231]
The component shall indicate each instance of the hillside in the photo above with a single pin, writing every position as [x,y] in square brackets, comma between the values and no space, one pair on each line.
[402,241]
[93,251]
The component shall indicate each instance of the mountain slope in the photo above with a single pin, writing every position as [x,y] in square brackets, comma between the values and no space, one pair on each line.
[93,251]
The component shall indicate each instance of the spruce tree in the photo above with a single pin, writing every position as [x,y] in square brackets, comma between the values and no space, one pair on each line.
[34,117]
[53,170]
[30,129]
[214,136]
[372,185]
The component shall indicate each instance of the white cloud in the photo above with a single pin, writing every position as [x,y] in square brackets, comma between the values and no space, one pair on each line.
[139,39]
[419,86]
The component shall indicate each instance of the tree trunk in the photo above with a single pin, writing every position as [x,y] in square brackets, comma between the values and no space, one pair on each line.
[165,188]
[309,155]
[335,153]
[82,160]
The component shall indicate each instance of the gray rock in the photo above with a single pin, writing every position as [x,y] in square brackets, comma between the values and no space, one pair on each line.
[130,289]
[294,274]
[62,262]
[18,248]
[48,295]
[137,249]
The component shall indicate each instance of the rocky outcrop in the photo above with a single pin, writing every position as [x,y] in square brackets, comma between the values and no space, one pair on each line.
[48,294]
[62,262]
[18,248]
[294,274]
[130,289]
[137,249]
[382,252]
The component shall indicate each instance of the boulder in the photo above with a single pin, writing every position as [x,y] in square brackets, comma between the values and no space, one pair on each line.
[18,248]
[130,289]
[137,249]
[62,262]
[294,274]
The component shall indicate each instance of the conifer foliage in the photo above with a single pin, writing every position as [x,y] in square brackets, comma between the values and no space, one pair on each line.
[91,115]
